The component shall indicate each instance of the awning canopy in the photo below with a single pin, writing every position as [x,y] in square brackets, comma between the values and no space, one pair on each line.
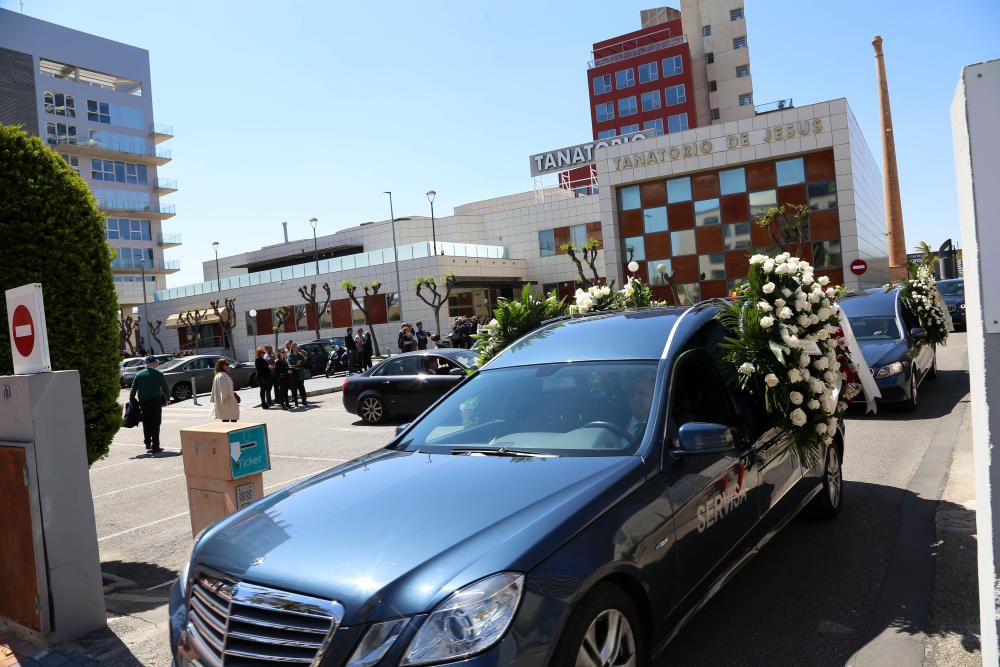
[490,281]
[174,321]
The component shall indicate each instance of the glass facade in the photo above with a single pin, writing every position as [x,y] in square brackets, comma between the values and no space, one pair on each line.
[602,84]
[625,78]
[648,72]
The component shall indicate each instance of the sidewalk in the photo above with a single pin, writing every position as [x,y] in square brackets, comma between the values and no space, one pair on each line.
[17,651]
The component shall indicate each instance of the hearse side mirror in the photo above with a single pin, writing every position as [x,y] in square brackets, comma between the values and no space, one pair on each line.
[697,438]
[918,333]
[401,428]
[457,371]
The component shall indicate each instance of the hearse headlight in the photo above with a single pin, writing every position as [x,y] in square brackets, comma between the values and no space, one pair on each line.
[379,639]
[895,368]
[470,621]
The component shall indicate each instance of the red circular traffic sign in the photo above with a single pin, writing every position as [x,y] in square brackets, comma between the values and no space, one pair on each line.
[23,331]
[859,266]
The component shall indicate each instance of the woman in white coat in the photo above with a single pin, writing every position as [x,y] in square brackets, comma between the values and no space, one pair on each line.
[226,404]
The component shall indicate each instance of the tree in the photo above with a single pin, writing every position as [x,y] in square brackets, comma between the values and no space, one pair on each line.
[310,297]
[154,333]
[227,319]
[927,258]
[46,208]
[126,329]
[280,315]
[786,224]
[438,297]
[371,289]
[194,318]
[588,255]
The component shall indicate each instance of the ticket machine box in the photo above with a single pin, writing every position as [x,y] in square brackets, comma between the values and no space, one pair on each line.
[224,463]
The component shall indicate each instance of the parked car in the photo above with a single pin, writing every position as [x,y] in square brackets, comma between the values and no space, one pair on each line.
[953,293]
[317,352]
[405,384]
[201,368]
[572,502]
[128,372]
[893,343]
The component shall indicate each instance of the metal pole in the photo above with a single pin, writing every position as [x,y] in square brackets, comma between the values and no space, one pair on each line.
[218,279]
[142,265]
[312,223]
[395,256]
[433,232]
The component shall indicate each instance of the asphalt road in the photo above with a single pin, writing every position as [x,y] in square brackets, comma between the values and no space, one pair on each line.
[857,590]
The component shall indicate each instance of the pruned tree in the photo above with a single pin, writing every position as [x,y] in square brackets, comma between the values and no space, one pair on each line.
[927,258]
[587,255]
[786,224]
[280,315]
[154,333]
[227,319]
[438,295]
[371,288]
[310,296]
[193,319]
[126,330]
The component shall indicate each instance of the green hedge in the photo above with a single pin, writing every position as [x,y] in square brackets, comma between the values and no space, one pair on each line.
[52,233]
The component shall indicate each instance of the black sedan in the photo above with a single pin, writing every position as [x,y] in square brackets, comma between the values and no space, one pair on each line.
[893,343]
[953,293]
[405,385]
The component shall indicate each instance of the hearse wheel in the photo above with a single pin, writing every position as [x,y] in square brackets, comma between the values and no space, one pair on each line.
[604,631]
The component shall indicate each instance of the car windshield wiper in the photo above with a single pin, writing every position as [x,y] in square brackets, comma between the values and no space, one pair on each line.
[500,451]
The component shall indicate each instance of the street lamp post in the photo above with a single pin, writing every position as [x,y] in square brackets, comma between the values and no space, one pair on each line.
[218,279]
[312,223]
[142,266]
[430,197]
[395,255]
[253,314]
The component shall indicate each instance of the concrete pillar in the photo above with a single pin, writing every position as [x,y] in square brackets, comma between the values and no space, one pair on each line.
[890,175]
[976,139]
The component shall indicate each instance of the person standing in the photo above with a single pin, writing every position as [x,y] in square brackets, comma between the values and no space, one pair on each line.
[407,342]
[297,363]
[225,402]
[153,392]
[263,378]
[281,377]
[422,336]
[368,349]
[352,351]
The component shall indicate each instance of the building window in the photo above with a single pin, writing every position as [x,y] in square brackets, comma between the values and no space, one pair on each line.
[677,123]
[732,181]
[131,258]
[709,58]
[761,201]
[648,72]
[625,78]
[73,161]
[627,106]
[822,195]
[605,111]
[656,277]
[742,71]
[629,129]
[637,245]
[60,104]
[118,172]
[607,134]
[60,133]
[746,99]
[706,30]
[736,236]
[128,229]
[735,14]
[712,86]
[676,94]
[654,219]
[98,112]
[578,235]
[682,243]
[654,126]
[740,42]
[790,172]
[602,84]
[102,170]
[672,66]
[827,255]
[712,267]
[679,189]
[715,114]
[651,100]
[629,198]
[706,212]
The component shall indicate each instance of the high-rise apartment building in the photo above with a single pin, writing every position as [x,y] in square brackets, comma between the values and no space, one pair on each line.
[682,69]
[90,99]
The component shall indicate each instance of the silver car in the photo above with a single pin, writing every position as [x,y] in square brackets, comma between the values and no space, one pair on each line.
[198,371]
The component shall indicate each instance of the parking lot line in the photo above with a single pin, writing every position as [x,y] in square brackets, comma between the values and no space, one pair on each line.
[136,486]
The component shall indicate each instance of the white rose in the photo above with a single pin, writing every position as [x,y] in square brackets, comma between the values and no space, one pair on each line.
[831,423]
[785,292]
[797,417]
[824,313]
[822,334]
[821,428]
[830,377]
[783,257]
[813,404]
[747,368]
[779,303]
[814,297]
[805,373]
[768,266]
[823,280]
[785,313]
[816,387]
[807,279]
[821,364]
[771,380]
[803,320]
[803,360]
[764,307]
[781,269]
[605,291]
[795,397]
[766,322]
[793,265]
[758,259]
[794,376]
[768,287]
[813,319]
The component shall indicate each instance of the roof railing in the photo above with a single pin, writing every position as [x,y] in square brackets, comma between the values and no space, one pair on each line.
[638,51]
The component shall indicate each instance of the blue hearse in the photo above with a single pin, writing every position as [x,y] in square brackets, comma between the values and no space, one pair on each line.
[573,502]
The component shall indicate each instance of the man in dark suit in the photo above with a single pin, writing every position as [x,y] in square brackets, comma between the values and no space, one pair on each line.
[352,351]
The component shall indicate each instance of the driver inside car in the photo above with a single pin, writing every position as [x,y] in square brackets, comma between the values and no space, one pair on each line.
[640,395]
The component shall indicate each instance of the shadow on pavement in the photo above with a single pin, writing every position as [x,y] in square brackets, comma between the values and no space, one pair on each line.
[812,595]
[144,575]
[165,454]
[938,397]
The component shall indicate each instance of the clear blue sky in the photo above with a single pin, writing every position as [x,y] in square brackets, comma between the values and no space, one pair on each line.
[290,110]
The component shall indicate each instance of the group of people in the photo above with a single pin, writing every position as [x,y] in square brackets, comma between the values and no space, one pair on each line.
[411,339]
[463,330]
[359,349]
[279,374]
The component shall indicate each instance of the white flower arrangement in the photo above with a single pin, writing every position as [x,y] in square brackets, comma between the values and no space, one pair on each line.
[921,294]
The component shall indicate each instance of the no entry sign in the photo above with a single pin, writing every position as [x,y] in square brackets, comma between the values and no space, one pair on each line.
[26,327]
[859,266]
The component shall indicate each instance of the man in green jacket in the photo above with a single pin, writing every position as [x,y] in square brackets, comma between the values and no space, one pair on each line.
[153,392]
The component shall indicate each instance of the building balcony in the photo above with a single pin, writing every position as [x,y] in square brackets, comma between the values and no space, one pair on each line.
[127,209]
[169,240]
[165,186]
[133,153]
[161,133]
[777,105]
[164,267]
[637,51]
[131,293]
